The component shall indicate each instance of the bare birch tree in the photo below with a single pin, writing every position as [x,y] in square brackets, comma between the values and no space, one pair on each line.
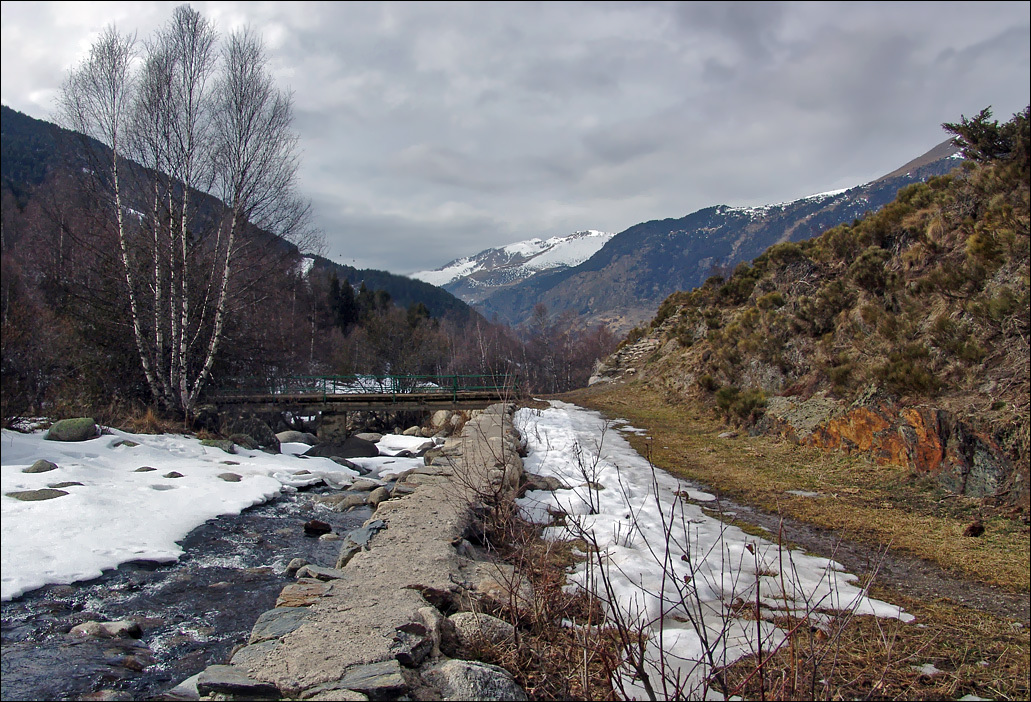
[194,119]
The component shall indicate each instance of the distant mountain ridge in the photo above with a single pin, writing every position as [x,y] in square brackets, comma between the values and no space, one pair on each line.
[474,278]
[623,283]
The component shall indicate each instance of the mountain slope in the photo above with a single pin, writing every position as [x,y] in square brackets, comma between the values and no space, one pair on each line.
[904,335]
[474,278]
[404,291]
[34,150]
[624,282]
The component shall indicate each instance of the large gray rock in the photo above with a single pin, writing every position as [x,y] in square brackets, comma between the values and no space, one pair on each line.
[78,429]
[249,655]
[476,629]
[352,447]
[224,444]
[258,430]
[413,642]
[358,540]
[244,441]
[233,682]
[297,437]
[380,681]
[470,680]
[277,623]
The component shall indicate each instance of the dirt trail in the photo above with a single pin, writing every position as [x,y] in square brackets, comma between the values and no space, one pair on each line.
[910,576]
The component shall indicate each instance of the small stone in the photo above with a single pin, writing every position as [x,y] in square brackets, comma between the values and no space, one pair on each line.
[230,477]
[975,528]
[331,536]
[172,474]
[380,494]
[319,573]
[728,435]
[316,527]
[69,483]
[364,485]
[144,469]
[40,466]
[303,593]
[123,628]
[93,630]
[36,495]
[295,565]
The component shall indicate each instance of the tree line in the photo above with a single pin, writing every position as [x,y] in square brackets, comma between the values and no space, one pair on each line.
[162,259]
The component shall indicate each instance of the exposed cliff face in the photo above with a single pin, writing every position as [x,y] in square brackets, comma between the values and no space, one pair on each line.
[924,439]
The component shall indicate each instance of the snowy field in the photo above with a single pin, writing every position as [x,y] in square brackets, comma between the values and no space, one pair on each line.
[114,512]
[687,595]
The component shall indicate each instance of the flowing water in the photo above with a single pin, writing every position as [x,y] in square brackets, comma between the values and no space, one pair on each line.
[192,613]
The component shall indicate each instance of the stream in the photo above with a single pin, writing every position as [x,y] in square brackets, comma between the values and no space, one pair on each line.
[192,612]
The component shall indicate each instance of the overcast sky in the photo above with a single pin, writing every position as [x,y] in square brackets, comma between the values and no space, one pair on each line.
[434,131]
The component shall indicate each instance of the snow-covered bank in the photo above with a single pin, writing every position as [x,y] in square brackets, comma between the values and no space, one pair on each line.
[688,595]
[134,496]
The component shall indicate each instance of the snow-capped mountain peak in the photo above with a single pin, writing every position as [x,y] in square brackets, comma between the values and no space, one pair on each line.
[520,260]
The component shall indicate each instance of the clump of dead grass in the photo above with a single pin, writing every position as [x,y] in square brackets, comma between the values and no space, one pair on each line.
[148,421]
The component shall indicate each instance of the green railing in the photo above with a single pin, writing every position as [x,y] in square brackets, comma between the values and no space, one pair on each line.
[393,385]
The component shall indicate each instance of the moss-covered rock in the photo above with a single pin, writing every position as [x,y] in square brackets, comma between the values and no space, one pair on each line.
[78,429]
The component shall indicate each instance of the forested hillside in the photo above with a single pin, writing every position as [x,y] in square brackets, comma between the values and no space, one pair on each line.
[904,334]
[68,343]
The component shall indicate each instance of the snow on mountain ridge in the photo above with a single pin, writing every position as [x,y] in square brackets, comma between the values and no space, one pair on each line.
[522,258]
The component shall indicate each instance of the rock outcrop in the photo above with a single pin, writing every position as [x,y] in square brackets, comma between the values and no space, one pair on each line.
[924,439]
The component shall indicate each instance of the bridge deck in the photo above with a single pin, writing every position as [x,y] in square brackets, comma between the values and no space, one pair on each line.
[344,393]
[346,402]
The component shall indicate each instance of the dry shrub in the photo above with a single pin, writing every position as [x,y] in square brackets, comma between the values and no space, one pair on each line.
[149,421]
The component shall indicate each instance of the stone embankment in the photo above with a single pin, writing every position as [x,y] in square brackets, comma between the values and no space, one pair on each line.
[395,615]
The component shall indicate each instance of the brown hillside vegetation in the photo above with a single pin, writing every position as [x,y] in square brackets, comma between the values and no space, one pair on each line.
[903,336]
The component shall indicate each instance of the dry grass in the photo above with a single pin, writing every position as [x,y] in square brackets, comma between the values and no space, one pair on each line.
[148,421]
[974,653]
[863,501]
[550,660]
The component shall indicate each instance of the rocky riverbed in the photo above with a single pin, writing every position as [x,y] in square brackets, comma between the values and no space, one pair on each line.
[177,618]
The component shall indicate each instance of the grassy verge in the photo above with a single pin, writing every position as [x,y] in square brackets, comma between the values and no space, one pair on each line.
[866,502]
[951,652]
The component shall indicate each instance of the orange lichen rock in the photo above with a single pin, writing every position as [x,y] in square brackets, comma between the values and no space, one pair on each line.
[925,439]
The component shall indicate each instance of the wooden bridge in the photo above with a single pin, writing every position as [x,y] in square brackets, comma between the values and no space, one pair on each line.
[349,393]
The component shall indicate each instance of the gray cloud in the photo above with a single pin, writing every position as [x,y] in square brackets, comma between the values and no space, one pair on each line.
[431,131]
